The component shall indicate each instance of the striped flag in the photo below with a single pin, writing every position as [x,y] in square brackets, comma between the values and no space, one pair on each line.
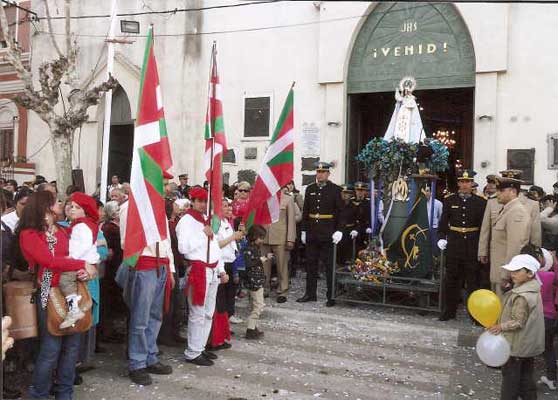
[276,170]
[146,219]
[215,143]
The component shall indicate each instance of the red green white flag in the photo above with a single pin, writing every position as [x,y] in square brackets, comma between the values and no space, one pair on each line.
[215,144]
[146,221]
[276,170]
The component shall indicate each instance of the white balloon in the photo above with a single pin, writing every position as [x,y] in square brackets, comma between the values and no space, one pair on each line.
[493,350]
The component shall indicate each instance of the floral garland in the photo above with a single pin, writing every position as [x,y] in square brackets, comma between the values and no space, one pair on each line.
[385,159]
[372,266]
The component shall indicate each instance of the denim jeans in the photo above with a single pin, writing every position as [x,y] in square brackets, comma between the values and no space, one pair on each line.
[56,353]
[550,330]
[147,294]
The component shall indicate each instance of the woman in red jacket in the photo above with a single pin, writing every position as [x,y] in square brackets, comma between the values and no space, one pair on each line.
[44,244]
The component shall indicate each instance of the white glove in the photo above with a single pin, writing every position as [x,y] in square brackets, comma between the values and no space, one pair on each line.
[369,230]
[354,234]
[337,236]
[303,237]
[442,244]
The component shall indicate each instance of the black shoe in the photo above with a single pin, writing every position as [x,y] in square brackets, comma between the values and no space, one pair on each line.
[306,298]
[446,316]
[78,380]
[209,355]
[201,360]
[252,334]
[281,299]
[159,369]
[224,346]
[260,333]
[141,377]
[330,303]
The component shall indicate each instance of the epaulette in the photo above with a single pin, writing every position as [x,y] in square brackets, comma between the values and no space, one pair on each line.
[448,195]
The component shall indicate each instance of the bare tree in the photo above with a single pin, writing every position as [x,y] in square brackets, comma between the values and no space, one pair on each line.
[62,121]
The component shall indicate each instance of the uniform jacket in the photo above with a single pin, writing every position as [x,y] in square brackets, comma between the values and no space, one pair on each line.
[510,232]
[325,200]
[461,212]
[362,213]
[534,210]
[284,230]
[529,340]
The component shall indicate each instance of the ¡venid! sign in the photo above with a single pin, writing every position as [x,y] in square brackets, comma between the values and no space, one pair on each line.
[426,40]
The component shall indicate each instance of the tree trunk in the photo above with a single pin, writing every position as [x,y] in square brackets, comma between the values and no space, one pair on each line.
[62,149]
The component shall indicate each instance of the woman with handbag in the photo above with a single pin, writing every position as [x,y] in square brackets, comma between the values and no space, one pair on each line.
[45,246]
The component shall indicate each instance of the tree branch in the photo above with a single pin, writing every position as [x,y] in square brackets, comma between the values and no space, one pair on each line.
[50,31]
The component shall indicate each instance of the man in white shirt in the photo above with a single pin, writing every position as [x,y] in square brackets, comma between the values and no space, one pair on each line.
[11,219]
[200,247]
[150,283]
[437,209]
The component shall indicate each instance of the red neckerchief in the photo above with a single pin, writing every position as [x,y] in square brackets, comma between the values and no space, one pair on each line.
[91,224]
[198,216]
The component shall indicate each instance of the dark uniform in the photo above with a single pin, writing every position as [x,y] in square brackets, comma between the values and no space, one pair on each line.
[362,211]
[320,219]
[349,224]
[460,223]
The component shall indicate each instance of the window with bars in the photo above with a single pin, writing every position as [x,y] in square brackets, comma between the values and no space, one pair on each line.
[6,144]
[256,117]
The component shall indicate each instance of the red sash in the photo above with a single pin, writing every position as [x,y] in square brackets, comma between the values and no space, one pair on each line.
[146,263]
[196,279]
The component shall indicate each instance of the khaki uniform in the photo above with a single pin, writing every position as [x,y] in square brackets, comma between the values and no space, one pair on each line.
[534,210]
[491,213]
[509,233]
[278,234]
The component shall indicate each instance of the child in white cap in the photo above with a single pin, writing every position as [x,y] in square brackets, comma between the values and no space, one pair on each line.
[522,324]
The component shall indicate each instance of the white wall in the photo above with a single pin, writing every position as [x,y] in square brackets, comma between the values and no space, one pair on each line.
[515,59]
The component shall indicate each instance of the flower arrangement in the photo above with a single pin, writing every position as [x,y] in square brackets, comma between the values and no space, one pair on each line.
[385,159]
[372,266]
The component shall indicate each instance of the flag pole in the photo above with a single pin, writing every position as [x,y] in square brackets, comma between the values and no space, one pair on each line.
[212,130]
[108,104]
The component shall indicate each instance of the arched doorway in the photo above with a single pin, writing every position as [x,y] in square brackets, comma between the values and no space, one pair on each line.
[430,42]
[121,142]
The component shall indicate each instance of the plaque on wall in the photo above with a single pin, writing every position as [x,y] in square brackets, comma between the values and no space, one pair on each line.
[250,153]
[308,163]
[524,160]
[308,179]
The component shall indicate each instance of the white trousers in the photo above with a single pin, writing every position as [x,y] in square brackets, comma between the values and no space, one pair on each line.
[200,318]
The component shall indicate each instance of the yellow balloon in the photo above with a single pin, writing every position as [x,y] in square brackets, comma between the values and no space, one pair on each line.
[485,307]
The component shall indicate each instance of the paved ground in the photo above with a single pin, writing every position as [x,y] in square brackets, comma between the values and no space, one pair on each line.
[309,352]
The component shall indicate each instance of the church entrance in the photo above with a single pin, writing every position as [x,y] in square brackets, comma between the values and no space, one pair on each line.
[121,142]
[431,43]
[447,115]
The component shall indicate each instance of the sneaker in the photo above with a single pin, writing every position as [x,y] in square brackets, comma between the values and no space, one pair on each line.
[201,360]
[236,320]
[224,346]
[548,382]
[159,369]
[281,299]
[141,377]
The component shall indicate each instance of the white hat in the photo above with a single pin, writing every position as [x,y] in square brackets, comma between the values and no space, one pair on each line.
[548,260]
[523,261]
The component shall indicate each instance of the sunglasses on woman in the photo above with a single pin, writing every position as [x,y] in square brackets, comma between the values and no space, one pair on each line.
[244,190]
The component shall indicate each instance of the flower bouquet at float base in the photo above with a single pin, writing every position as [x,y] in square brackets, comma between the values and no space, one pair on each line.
[371,265]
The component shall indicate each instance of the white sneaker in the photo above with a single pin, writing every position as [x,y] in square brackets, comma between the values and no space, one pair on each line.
[236,320]
[548,382]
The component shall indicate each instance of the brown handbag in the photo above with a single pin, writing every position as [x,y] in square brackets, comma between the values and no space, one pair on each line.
[57,309]
[18,302]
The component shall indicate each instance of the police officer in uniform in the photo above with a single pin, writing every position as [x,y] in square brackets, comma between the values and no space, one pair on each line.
[361,203]
[349,226]
[321,229]
[459,231]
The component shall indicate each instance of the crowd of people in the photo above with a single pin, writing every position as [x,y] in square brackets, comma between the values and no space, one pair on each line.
[503,239]
[61,244]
